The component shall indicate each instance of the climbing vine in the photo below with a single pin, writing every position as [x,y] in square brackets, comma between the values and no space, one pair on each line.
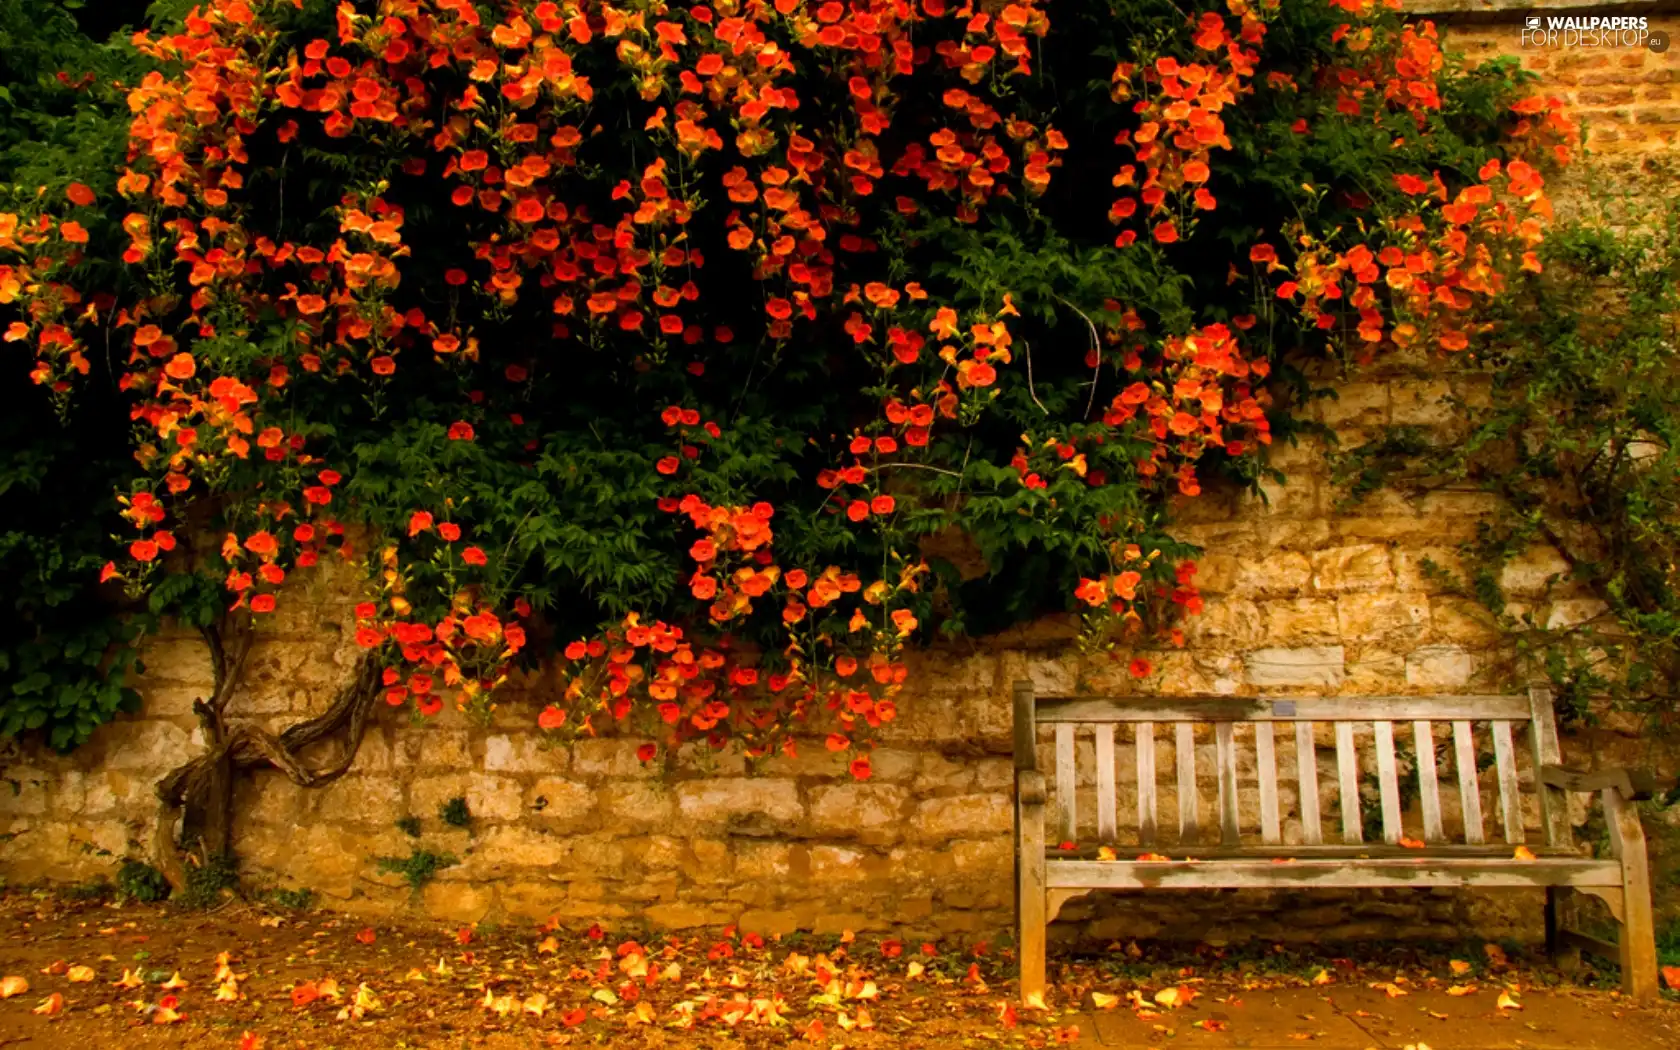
[720,353]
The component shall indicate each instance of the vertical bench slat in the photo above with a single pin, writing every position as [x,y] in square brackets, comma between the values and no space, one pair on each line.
[1510,797]
[1306,767]
[1067,781]
[1188,831]
[1542,731]
[1225,739]
[1429,782]
[1469,786]
[1145,742]
[1265,768]
[1388,780]
[1105,782]
[1347,771]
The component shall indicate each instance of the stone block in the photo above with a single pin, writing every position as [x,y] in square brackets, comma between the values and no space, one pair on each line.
[835,864]
[522,753]
[560,804]
[532,899]
[1532,571]
[744,805]
[1319,665]
[520,847]
[684,915]
[1387,617]
[1439,667]
[633,804]
[1296,497]
[360,800]
[489,799]
[444,748]
[1360,567]
[1356,404]
[768,923]
[699,758]
[1424,403]
[1225,622]
[611,757]
[1412,570]
[1300,621]
[1463,620]
[941,774]
[1572,612]
[457,901]
[962,816]
[857,809]
[148,745]
[763,861]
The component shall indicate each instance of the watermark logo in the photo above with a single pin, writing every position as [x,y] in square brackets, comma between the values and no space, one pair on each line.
[1592,31]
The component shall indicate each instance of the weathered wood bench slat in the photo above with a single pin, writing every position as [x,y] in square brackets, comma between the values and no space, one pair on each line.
[1429,781]
[1067,781]
[1388,780]
[1334,873]
[1469,786]
[1510,798]
[1284,709]
[1188,809]
[1306,762]
[1145,742]
[1049,873]
[1224,734]
[1106,808]
[1265,771]
[1363,851]
[1554,802]
[1347,781]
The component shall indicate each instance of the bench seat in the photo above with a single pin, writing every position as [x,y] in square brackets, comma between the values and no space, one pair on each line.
[1429,837]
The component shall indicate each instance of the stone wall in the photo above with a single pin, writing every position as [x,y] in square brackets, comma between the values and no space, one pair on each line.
[1303,595]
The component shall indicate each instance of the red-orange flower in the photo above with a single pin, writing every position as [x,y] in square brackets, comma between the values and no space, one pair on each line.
[551,718]
[180,366]
[473,556]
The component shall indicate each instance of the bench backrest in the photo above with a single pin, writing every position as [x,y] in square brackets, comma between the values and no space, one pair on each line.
[1443,731]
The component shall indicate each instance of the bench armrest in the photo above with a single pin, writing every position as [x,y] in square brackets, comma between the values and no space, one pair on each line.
[1030,788]
[1635,785]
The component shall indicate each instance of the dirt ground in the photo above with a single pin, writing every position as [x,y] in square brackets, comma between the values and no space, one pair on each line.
[131,975]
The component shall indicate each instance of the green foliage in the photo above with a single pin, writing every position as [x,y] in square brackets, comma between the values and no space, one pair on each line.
[559,483]
[409,825]
[208,883]
[64,653]
[418,868]
[1573,421]
[455,812]
[298,899]
[142,882]
[96,889]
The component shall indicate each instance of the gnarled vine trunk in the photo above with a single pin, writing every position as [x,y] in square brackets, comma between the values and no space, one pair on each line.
[199,793]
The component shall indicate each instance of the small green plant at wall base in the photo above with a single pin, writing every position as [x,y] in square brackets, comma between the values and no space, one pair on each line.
[142,882]
[93,890]
[455,812]
[297,900]
[209,883]
[409,826]
[418,868]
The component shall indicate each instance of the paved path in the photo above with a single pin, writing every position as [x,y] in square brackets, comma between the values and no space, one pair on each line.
[1349,1018]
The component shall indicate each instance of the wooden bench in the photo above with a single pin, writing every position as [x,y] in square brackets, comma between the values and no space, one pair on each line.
[1059,861]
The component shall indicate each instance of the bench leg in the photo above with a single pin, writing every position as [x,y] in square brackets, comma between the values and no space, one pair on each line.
[1562,915]
[1030,903]
[1637,938]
